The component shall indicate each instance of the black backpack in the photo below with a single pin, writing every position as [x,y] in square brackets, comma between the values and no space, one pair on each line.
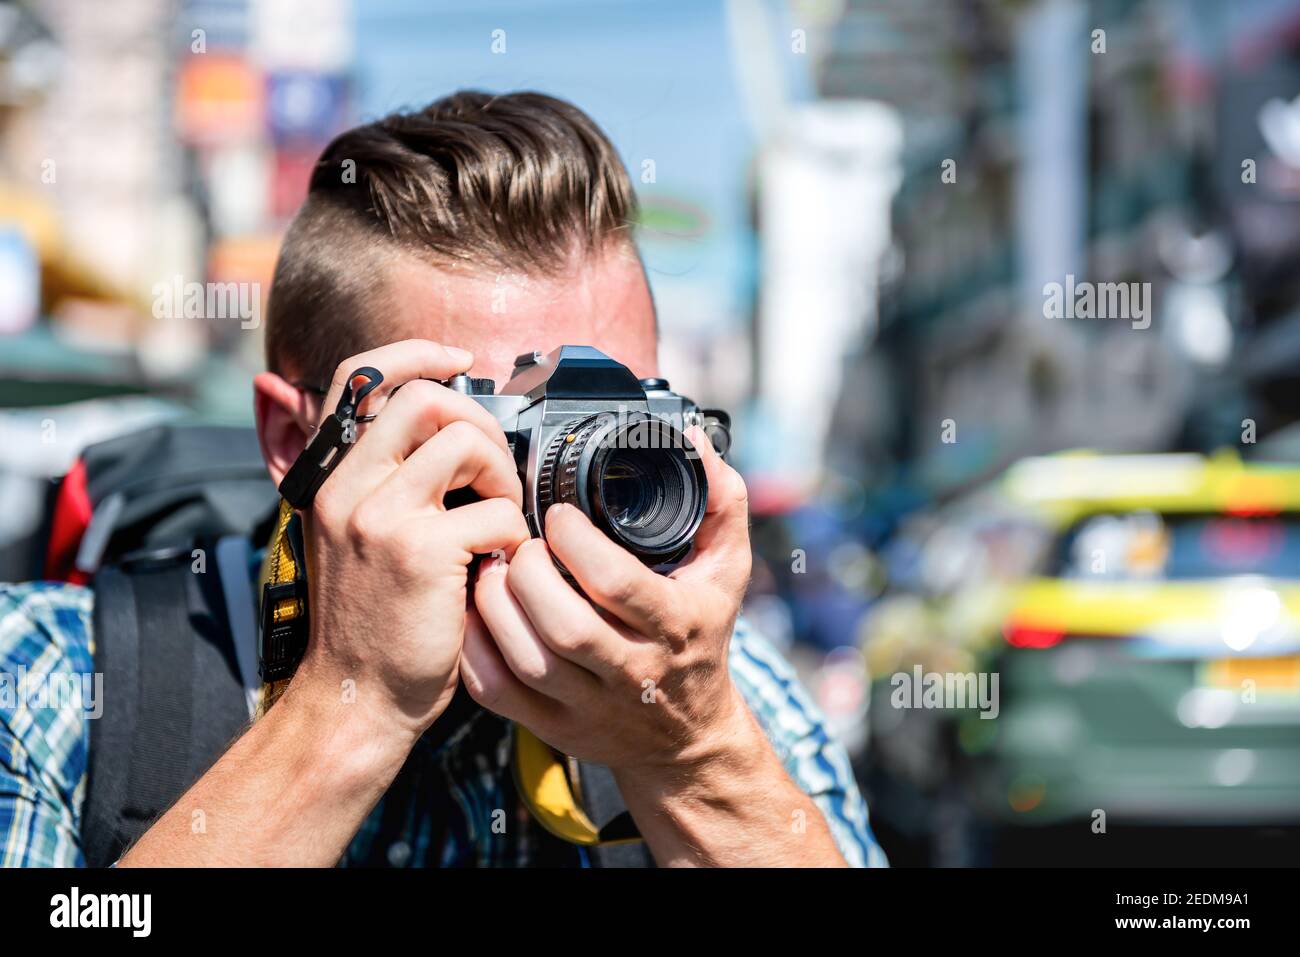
[178,650]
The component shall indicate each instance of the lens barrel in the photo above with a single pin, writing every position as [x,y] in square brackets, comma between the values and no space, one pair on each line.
[637,477]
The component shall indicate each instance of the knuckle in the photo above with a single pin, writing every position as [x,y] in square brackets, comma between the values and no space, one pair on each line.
[325,507]
[624,670]
[485,689]
[422,396]
[500,513]
[516,500]
[676,629]
[517,571]
[684,618]
[433,351]
[365,524]
[572,641]
[461,434]
[737,491]
[744,565]
[530,560]
[412,544]
[419,390]
[533,669]
[511,516]
[342,372]
[617,588]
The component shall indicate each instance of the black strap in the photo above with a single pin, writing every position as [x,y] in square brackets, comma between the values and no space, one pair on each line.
[173,699]
[161,748]
[116,633]
[604,805]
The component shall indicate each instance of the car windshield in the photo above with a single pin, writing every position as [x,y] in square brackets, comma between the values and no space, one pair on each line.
[1148,546]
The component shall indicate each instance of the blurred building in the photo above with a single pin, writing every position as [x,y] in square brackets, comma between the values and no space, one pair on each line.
[1038,148]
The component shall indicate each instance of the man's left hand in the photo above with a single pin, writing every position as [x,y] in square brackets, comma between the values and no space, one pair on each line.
[634,675]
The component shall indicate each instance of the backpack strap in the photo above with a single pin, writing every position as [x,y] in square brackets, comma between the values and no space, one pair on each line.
[173,695]
[620,844]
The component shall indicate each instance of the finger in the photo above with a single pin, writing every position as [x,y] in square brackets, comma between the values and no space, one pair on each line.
[722,553]
[528,657]
[492,526]
[459,456]
[399,362]
[492,684]
[562,618]
[410,419]
[611,576]
[418,411]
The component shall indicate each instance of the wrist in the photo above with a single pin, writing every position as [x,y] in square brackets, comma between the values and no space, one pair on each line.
[730,803]
[719,759]
[347,737]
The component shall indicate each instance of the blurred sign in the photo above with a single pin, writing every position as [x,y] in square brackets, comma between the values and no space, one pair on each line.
[291,174]
[305,108]
[238,179]
[303,34]
[20,278]
[246,260]
[218,98]
[211,25]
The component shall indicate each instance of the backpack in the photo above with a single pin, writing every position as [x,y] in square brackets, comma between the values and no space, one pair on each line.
[136,517]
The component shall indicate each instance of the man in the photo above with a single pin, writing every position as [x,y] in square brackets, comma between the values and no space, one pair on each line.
[448,240]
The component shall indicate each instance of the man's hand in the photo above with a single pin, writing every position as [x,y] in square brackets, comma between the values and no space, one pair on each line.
[388,564]
[388,569]
[637,678]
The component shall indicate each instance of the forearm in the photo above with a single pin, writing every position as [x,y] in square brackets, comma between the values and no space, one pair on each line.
[734,806]
[292,791]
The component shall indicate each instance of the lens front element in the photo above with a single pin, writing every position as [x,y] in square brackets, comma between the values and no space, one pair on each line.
[637,477]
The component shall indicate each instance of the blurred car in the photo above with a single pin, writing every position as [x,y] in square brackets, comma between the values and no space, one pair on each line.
[1145,633]
[1153,667]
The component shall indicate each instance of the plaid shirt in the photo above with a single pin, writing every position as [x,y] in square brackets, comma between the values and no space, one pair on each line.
[442,810]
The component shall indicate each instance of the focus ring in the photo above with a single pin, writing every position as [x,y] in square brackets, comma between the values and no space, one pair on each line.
[557,480]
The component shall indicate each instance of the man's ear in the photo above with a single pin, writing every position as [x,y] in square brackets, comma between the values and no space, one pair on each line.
[285,417]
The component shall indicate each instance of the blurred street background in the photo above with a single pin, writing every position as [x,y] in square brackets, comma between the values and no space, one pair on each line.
[865,223]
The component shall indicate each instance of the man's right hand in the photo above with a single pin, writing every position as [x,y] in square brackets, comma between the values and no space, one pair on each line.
[387,563]
[387,572]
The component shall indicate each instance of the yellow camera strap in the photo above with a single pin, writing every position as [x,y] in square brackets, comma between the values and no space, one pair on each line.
[284,610]
[549,783]
[551,786]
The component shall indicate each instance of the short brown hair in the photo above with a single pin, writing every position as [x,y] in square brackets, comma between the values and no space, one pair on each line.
[522,181]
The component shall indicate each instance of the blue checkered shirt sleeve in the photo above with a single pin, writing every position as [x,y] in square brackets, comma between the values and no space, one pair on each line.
[816,762]
[46,695]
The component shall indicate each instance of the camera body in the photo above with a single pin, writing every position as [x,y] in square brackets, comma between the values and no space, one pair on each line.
[585,430]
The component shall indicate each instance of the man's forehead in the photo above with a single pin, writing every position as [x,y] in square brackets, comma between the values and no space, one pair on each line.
[601,301]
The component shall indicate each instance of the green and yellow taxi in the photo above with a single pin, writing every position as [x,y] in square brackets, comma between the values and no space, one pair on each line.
[1147,652]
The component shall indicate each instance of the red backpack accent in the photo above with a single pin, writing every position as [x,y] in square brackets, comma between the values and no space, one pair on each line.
[72,511]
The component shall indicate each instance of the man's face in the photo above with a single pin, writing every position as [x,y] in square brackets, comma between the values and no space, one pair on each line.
[603,301]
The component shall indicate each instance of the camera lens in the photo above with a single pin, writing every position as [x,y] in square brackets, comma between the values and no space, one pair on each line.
[637,477]
[628,489]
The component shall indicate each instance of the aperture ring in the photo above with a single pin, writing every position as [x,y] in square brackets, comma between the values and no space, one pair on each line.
[557,480]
